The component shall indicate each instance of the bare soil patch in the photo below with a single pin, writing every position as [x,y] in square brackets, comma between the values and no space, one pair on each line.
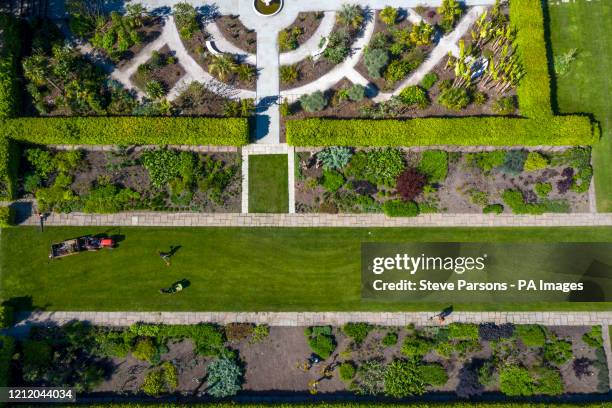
[235,32]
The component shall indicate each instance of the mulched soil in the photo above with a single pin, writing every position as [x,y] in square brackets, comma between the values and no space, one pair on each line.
[308,22]
[453,195]
[198,100]
[235,32]
[168,75]
[149,32]
[277,363]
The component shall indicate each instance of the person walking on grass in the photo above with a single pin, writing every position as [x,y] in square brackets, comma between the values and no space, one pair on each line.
[165,256]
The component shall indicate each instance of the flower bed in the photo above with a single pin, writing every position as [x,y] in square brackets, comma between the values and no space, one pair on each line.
[159,74]
[466,360]
[235,32]
[405,183]
[130,179]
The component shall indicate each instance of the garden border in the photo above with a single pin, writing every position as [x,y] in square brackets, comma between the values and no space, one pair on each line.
[534,94]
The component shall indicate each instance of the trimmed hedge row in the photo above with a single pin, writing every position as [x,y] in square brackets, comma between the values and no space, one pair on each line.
[527,17]
[471,131]
[6,316]
[128,130]
[9,53]
[7,348]
[9,156]
[7,218]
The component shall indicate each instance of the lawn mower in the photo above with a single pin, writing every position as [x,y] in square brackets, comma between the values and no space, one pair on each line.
[81,244]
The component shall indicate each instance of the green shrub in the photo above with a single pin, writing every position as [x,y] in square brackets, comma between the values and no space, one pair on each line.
[505,105]
[463,331]
[288,39]
[338,46]
[400,208]
[514,162]
[108,199]
[335,157]
[468,131]
[9,59]
[558,351]
[414,96]
[186,19]
[145,350]
[129,130]
[454,98]
[7,349]
[289,73]
[594,337]
[357,331]
[389,15]
[347,371]
[260,332]
[434,164]
[224,378]
[493,209]
[6,316]
[314,102]
[433,374]
[403,378]
[543,189]
[7,216]
[429,80]
[536,161]
[415,346]
[375,59]
[9,167]
[486,161]
[531,335]
[516,381]
[515,200]
[321,340]
[384,165]
[154,383]
[390,339]
[399,69]
[548,381]
[356,92]
[332,180]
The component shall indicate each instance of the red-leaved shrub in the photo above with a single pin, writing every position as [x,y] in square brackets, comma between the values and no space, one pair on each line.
[410,184]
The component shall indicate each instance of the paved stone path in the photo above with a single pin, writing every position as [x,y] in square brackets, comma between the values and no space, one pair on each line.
[167,219]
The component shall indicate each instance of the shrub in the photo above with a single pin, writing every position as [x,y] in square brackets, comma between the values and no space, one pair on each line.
[486,161]
[463,331]
[558,352]
[389,15]
[536,161]
[314,102]
[414,96]
[347,371]
[390,339]
[357,331]
[108,199]
[338,46]
[375,59]
[321,341]
[145,350]
[480,98]
[332,180]
[224,378]
[429,80]
[515,200]
[594,337]
[434,164]
[370,378]
[450,11]
[384,165]
[7,216]
[289,73]
[531,335]
[350,15]
[335,158]
[9,58]
[400,208]
[288,39]
[516,381]
[410,184]
[548,381]
[543,189]
[505,106]
[7,349]
[468,131]
[514,162]
[415,346]
[399,69]
[403,378]
[153,383]
[170,374]
[493,209]
[454,98]
[433,374]
[356,92]
[260,332]
[185,18]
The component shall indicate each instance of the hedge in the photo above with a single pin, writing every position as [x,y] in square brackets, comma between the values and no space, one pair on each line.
[9,164]
[6,316]
[9,55]
[470,131]
[7,348]
[357,405]
[527,18]
[128,130]
[7,216]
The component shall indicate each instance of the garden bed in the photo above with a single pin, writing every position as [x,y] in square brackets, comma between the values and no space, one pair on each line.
[132,179]
[397,362]
[235,32]
[300,31]
[149,32]
[348,181]
[162,68]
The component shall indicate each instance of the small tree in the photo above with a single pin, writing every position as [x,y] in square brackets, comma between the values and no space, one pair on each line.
[155,90]
[185,17]
[356,92]
[375,60]
[222,66]
[351,15]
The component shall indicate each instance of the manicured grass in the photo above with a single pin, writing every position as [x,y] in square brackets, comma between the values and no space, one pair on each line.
[268,183]
[233,269]
[586,26]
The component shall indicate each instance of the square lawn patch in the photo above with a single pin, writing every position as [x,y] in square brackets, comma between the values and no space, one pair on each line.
[268,184]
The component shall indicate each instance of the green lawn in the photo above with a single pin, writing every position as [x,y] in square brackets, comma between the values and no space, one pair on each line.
[234,269]
[268,183]
[587,26]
